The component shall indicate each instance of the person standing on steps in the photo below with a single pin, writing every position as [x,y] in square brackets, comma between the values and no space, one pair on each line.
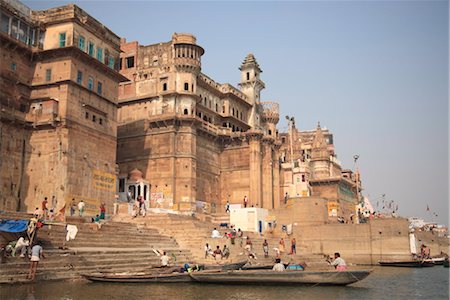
[281,246]
[44,209]
[293,246]
[102,211]
[73,206]
[81,208]
[36,254]
[266,248]
[207,250]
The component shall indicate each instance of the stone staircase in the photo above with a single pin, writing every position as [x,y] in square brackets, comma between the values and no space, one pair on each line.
[122,247]
[193,234]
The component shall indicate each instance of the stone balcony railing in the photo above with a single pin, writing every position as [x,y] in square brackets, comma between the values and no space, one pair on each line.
[270,111]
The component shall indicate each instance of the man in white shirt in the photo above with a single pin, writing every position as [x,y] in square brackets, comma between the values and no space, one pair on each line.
[81,207]
[164,260]
[279,267]
[338,262]
[215,233]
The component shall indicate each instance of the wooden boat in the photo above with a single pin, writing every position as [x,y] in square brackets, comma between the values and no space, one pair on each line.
[446,263]
[139,277]
[437,260]
[281,278]
[225,267]
[408,264]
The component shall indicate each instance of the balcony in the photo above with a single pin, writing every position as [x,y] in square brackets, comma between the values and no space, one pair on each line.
[270,112]
[43,112]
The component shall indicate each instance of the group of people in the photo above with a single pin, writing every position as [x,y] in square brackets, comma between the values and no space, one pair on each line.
[218,254]
[33,251]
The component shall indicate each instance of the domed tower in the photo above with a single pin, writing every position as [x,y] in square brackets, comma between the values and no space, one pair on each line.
[251,85]
[319,155]
[187,61]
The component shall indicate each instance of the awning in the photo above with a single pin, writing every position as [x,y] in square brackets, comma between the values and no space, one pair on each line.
[13,225]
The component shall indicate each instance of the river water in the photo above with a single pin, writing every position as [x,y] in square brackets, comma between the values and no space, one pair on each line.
[383,283]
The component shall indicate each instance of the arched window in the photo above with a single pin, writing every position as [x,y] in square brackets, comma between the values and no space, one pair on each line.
[145,192]
[270,132]
[233,111]
[186,86]
[186,111]
[164,86]
[132,190]
[217,107]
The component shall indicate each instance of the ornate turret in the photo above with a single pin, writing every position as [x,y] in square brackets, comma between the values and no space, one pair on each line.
[319,155]
[251,86]
[319,149]
[187,54]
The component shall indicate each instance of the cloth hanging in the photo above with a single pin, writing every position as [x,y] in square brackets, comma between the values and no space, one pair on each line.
[72,231]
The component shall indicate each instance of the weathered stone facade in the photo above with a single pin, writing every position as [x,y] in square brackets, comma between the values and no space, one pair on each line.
[72,92]
[198,143]
[58,108]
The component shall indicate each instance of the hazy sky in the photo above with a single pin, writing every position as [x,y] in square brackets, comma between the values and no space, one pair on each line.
[373,72]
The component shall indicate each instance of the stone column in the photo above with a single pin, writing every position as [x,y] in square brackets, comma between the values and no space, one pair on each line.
[276,175]
[267,178]
[255,196]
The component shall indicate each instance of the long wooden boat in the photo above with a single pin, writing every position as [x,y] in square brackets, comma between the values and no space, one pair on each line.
[139,278]
[408,264]
[281,278]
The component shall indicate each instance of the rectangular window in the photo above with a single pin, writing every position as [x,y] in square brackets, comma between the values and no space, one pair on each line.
[100,54]
[5,24]
[48,74]
[99,88]
[94,118]
[23,32]
[121,185]
[80,77]
[303,178]
[15,28]
[100,121]
[13,67]
[81,43]
[129,62]
[164,86]
[91,83]
[62,39]
[111,62]
[91,49]
[86,115]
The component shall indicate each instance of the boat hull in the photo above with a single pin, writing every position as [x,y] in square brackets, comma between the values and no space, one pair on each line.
[149,278]
[281,278]
[226,267]
[408,264]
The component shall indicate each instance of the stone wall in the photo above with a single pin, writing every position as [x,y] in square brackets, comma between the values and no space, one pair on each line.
[378,240]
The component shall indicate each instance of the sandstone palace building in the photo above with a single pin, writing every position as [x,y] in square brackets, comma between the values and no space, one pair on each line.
[87,115]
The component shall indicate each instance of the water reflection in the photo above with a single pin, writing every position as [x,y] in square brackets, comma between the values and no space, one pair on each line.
[384,283]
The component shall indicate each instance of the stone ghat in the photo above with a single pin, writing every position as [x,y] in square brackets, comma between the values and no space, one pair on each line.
[191,233]
[116,247]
